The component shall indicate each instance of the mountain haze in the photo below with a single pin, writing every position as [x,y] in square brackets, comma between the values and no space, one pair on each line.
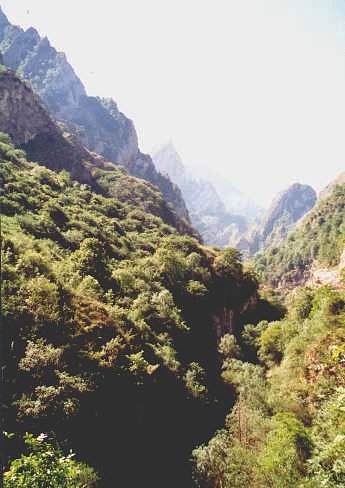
[207,211]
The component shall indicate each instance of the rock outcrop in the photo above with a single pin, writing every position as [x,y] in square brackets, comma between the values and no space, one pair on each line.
[98,123]
[286,209]
[207,211]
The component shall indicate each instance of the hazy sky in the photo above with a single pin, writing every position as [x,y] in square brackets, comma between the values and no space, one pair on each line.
[254,89]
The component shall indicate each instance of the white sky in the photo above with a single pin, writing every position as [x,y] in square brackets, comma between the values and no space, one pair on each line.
[254,89]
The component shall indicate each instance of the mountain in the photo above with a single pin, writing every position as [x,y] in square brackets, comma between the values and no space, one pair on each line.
[207,211]
[235,201]
[131,354]
[111,317]
[31,128]
[97,122]
[111,322]
[312,249]
[286,209]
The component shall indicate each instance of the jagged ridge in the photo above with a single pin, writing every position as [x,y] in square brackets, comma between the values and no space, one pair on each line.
[32,129]
[286,209]
[208,214]
[97,122]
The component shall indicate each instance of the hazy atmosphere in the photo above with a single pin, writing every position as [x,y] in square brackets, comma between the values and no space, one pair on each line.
[246,87]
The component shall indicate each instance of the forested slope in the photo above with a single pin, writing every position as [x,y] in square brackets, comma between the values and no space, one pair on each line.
[318,240]
[31,128]
[111,319]
[287,428]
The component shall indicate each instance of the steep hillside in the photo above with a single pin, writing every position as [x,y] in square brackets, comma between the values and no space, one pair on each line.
[206,209]
[112,321]
[98,123]
[286,209]
[317,241]
[30,126]
[287,427]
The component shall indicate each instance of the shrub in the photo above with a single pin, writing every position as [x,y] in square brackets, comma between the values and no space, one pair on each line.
[46,466]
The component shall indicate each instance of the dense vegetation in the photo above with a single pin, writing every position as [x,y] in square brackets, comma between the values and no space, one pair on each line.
[109,314]
[130,343]
[287,428]
[319,239]
[155,359]
[45,465]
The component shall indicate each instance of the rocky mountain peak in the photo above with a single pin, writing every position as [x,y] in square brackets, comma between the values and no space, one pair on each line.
[286,209]
[98,123]
[289,205]
[169,162]
[169,151]
[207,210]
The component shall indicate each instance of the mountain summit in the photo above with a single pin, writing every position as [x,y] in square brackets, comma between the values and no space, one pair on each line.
[97,122]
[287,208]
[208,214]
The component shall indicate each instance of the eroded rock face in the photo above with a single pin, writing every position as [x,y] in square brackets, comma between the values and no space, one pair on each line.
[327,276]
[97,122]
[223,322]
[21,114]
[286,209]
[31,128]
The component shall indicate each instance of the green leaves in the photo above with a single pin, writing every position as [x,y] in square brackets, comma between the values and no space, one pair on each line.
[228,264]
[46,466]
[109,316]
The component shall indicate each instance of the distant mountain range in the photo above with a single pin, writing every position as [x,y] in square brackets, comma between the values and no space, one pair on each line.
[210,216]
[235,200]
[221,214]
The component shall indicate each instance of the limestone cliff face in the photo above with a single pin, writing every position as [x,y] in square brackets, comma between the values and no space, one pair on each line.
[97,122]
[207,211]
[286,209]
[30,127]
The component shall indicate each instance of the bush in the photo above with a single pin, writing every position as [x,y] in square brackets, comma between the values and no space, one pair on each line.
[45,466]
